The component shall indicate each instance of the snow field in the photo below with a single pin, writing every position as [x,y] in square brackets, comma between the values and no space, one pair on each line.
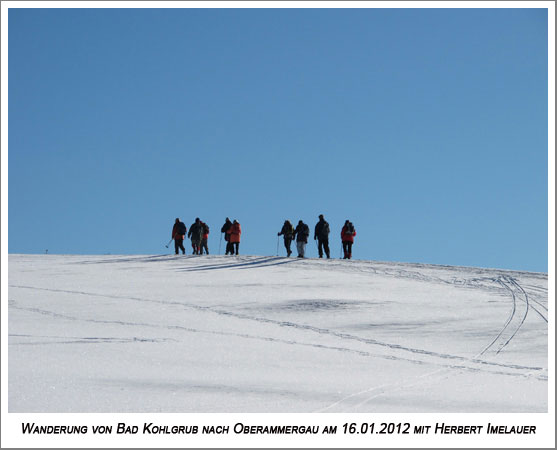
[216,334]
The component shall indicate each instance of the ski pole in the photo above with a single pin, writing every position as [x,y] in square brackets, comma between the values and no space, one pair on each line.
[277,244]
[340,252]
[169,242]
[220,242]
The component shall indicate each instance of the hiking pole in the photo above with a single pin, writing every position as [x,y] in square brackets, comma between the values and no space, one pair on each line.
[277,244]
[169,242]
[220,242]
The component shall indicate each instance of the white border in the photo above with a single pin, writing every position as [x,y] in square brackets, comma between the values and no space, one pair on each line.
[542,437]
[551,207]
[11,423]
[4,214]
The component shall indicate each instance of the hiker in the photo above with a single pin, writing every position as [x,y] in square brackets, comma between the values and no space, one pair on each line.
[322,231]
[204,238]
[224,229]
[347,236]
[288,232]
[178,233]
[301,233]
[234,233]
[196,233]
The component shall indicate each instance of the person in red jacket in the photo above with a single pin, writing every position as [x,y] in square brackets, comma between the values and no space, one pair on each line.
[347,236]
[204,238]
[234,233]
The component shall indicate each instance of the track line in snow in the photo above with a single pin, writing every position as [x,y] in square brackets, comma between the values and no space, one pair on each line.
[441,364]
[512,316]
[485,282]
[426,356]
[529,300]
[520,307]
[63,340]
[350,396]
[516,319]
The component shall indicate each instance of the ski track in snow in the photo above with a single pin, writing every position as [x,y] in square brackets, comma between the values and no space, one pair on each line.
[427,356]
[196,330]
[445,363]
[503,338]
[517,317]
[347,405]
[56,340]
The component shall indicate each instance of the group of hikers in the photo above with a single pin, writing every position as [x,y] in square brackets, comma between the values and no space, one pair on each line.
[199,234]
[232,230]
[320,234]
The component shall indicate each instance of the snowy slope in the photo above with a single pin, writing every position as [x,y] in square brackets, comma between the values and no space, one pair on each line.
[270,334]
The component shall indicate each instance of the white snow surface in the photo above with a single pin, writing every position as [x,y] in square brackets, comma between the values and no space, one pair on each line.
[214,334]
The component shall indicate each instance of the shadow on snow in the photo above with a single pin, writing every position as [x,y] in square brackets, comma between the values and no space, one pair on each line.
[259,262]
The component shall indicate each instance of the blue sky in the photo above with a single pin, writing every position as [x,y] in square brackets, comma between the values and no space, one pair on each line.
[427,128]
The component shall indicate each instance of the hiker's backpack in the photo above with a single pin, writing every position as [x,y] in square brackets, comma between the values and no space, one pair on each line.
[181,229]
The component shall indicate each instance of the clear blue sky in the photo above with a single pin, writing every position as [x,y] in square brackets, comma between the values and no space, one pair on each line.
[427,128]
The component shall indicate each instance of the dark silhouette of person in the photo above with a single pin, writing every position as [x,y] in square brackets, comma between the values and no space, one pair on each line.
[224,229]
[178,233]
[322,231]
[288,232]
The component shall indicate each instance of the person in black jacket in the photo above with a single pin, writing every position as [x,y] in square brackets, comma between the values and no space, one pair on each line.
[196,234]
[301,233]
[224,229]
[178,233]
[322,231]
[288,232]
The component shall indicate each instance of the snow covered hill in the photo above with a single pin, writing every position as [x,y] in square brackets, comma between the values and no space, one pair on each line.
[271,334]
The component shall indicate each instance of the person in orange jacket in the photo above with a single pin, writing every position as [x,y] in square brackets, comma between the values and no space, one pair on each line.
[234,233]
[205,238]
[347,236]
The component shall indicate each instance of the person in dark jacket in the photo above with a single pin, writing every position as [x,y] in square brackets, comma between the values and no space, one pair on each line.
[234,236]
[205,238]
[178,233]
[288,233]
[224,229]
[301,233]
[347,236]
[322,231]
[196,234]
